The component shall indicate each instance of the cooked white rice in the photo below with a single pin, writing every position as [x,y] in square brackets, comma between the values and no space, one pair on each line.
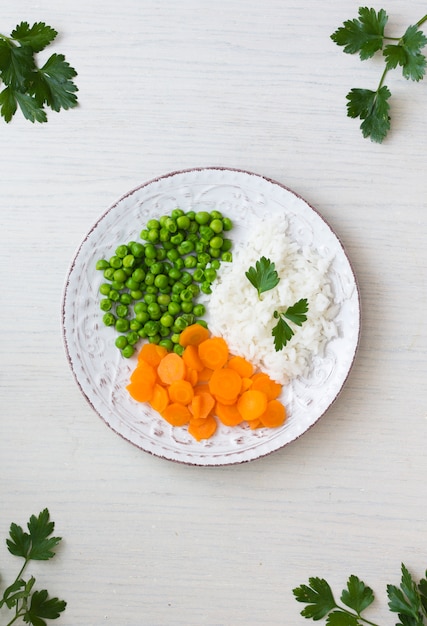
[246,322]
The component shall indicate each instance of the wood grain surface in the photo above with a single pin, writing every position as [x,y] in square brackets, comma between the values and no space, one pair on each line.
[164,86]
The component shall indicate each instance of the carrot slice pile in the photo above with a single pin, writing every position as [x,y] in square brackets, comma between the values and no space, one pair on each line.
[204,385]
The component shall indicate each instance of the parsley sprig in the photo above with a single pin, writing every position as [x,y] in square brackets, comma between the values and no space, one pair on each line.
[408,600]
[27,86]
[366,36]
[282,332]
[38,544]
[263,276]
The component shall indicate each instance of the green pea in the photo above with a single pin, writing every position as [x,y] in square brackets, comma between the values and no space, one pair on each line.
[149,298]
[138,275]
[198,275]
[122,251]
[137,250]
[105,304]
[117,286]
[155,338]
[202,323]
[166,343]
[206,287]
[153,223]
[151,328]
[210,274]
[199,310]
[116,262]
[216,242]
[190,261]
[179,264]
[202,217]
[149,279]
[175,337]
[122,310]
[177,287]
[125,298]
[135,325]
[102,264]
[186,278]
[150,251]
[177,213]
[109,319]
[163,299]
[156,268]
[174,307]
[227,244]
[183,222]
[178,349]
[164,235]
[161,281]
[186,295]
[227,223]
[104,289]
[142,317]
[167,320]
[114,295]
[172,254]
[122,325]
[185,247]
[154,311]
[109,273]
[187,307]
[132,338]
[153,235]
[121,342]
[128,351]
[216,225]
[119,276]
[174,273]
[136,294]
[177,239]
[227,257]
[216,264]
[140,307]
[131,283]
[171,225]
[215,252]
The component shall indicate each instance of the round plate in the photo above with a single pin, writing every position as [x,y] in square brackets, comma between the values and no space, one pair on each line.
[102,373]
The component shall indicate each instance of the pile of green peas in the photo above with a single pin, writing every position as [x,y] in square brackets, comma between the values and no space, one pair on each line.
[151,286]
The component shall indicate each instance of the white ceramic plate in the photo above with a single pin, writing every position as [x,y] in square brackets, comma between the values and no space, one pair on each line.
[101,372]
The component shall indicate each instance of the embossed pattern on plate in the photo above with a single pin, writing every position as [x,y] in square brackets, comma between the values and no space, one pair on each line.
[102,374]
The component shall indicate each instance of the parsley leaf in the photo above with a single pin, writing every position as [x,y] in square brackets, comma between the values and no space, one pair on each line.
[372,108]
[263,276]
[366,36]
[26,85]
[37,544]
[42,606]
[282,332]
[357,595]
[318,596]
[407,54]
[38,36]
[405,600]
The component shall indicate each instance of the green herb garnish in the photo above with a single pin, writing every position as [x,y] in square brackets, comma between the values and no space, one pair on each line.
[263,276]
[28,86]
[282,332]
[366,36]
[409,601]
[27,604]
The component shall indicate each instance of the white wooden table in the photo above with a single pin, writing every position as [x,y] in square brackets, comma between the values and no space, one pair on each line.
[258,86]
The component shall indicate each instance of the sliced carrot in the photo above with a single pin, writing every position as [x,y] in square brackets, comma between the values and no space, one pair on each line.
[202,428]
[213,352]
[201,388]
[252,404]
[144,371]
[226,401]
[176,414]
[253,424]
[229,415]
[171,368]
[225,383]
[160,398]
[181,391]
[263,382]
[193,335]
[241,366]
[141,392]
[202,405]
[274,415]
[152,353]
[191,358]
